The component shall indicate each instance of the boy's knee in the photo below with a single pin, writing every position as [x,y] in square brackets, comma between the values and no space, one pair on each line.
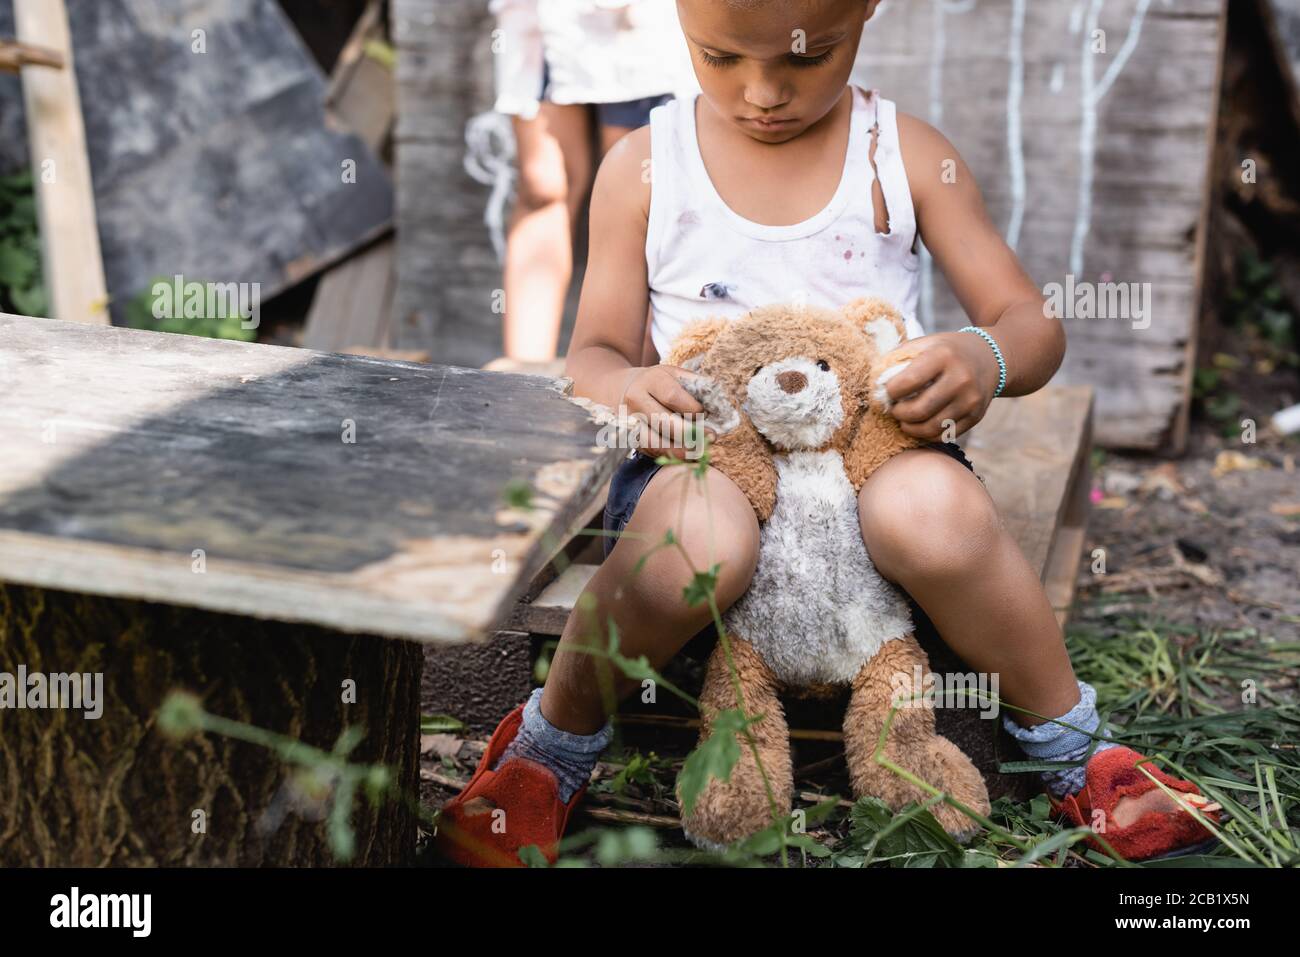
[928,520]
[713,523]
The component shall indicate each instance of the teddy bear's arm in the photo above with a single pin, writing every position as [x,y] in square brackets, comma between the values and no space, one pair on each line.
[879,437]
[744,457]
[735,448]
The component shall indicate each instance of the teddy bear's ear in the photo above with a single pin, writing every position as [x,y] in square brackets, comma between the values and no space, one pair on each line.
[693,341]
[881,322]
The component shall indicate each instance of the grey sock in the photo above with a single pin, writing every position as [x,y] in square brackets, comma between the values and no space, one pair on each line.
[1054,742]
[570,757]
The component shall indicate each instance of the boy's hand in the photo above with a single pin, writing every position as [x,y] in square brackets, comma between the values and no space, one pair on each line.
[951,381]
[656,396]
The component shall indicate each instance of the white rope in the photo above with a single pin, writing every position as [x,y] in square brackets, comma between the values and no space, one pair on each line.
[490,160]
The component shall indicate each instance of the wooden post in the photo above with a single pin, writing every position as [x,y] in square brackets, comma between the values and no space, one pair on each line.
[74,267]
[446,268]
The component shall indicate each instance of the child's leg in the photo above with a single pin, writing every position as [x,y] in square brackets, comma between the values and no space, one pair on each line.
[930,526]
[565,725]
[554,158]
[648,606]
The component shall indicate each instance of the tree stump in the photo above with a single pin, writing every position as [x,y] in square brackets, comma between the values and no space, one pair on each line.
[115,790]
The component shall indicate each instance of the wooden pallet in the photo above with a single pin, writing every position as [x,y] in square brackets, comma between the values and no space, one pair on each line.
[1033,453]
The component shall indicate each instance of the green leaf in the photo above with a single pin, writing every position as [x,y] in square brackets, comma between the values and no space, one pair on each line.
[18,266]
[630,844]
[714,758]
[439,724]
[910,838]
[532,856]
[31,301]
[702,586]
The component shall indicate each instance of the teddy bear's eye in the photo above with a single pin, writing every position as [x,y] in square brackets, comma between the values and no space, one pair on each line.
[823,365]
[757,370]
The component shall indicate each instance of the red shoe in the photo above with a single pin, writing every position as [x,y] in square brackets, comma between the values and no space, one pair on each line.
[1114,774]
[502,811]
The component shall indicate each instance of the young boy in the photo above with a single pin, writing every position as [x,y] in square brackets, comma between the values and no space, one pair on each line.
[781,181]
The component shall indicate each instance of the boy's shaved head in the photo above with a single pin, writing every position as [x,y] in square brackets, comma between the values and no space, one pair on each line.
[773,69]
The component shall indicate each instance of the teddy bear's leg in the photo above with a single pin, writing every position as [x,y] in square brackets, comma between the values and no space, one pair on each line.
[730,810]
[912,743]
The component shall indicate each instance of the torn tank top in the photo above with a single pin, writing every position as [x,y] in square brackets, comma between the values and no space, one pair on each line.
[704,259]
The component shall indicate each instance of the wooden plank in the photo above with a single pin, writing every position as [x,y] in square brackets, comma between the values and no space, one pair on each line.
[123,452]
[547,613]
[65,198]
[1063,570]
[447,269]
[362,91]
[353,302]
[1282,21]
[1030,450]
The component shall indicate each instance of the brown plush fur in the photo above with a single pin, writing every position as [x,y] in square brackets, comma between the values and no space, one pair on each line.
[731,810]
[854,340]
[911,744]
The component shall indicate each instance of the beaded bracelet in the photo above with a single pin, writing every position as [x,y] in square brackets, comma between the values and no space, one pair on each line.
[997,354]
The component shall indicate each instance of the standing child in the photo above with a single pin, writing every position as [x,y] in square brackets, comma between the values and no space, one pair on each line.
[781,181]
[559,66]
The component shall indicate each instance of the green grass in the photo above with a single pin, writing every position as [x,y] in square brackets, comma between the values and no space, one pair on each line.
[1216,707]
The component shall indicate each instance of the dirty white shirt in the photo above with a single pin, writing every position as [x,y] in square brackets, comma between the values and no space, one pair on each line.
[704,259]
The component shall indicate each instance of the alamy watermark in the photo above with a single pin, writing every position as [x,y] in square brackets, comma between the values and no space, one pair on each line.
[75,909]
[1130,301]
[37,690]
[975,690]
[178,299]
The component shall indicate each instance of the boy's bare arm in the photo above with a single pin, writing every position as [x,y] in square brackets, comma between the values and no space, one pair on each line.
[605,352]
[983,271]
[951,377]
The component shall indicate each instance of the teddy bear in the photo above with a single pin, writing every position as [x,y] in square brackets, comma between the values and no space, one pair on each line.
[794,398]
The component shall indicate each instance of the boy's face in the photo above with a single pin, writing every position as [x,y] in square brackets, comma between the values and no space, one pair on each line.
[775,67]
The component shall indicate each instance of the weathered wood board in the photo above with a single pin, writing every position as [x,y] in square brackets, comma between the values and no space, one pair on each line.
[358,494]
[209,147]
[1093,164]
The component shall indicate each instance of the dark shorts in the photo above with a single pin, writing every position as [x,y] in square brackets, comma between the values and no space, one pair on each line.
[630,114]
[630,480]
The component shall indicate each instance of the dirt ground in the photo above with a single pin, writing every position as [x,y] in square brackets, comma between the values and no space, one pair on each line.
[1210,540]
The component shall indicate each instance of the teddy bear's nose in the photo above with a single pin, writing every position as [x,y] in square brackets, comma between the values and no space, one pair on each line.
[791,381]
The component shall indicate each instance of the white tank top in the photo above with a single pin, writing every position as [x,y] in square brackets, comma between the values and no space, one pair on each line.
[704,259]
